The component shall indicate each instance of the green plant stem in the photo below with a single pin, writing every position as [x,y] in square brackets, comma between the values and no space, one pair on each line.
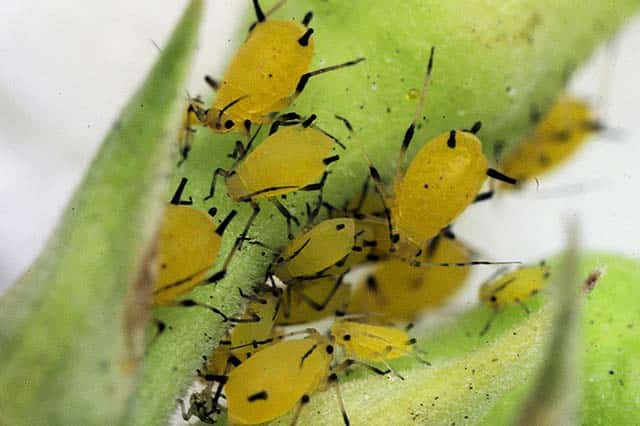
[72,326]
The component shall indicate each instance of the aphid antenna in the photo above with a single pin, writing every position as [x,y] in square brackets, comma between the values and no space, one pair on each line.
[377,180]
[419,264]
[306,332]
[487,325]
[408,136]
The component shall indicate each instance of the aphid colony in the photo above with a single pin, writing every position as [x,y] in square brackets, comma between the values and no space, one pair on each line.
[260,372]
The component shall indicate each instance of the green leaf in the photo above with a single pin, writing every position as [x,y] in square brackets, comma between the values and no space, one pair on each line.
[72,326]
[487,385]
[610,373]
[495,61]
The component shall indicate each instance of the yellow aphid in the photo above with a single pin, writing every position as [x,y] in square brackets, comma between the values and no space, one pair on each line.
[265,76]
[558,135]
[303,302]
[274,380]
[187,247]
[369,342]
[304,149]
[440,183]
[399,291]
[323,246]
[515,286]
[306,152]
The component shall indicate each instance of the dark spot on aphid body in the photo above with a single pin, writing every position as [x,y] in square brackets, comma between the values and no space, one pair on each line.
[340,226]
[259,396]
[329,349]
[228,124]
[346,337]
[544,159]
[426,186]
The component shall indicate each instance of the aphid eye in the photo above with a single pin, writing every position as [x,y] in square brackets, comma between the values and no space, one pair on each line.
[229,124]
[494,298]
[329,349]
[346,337]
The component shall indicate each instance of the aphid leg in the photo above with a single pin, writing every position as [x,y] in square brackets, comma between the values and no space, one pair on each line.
[408,135]
[489,322]
[189,303]
[286,119]
[524,307]
[377,180]
[493,173]
[303,401]
[393,371]
[212,83]
[304,79]
[483,196]
[218,172]
[177,196]
[335,382]
[344,365]
[255,343]
[260,16]
[287,215]
[240,151]
[322,305]
[160,327]
[243,236]
[363,195]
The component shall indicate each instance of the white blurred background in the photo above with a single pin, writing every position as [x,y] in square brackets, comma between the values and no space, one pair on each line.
[67,67]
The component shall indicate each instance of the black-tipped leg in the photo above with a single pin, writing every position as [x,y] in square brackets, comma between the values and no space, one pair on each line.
[189,303]
[218,172]
[287,215]
[494,174]
[335,382]
[303,401]
[211,82]
[483,196]
[260,16]
[487,326]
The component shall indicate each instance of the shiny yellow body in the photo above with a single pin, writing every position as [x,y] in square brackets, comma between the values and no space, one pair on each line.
[440,183]
[317,249]
[515,286]
[272,381]
[368,342]
[187,247]
[560,133]
[263,75]
[284,162]
[400,292]
[296,310]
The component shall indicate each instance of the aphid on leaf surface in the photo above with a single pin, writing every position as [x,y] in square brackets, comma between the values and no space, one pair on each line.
[276,379]
[400,292]
[188,246]
[558,135]
[443,179]
[266,75]
[513,287]
[305,150]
